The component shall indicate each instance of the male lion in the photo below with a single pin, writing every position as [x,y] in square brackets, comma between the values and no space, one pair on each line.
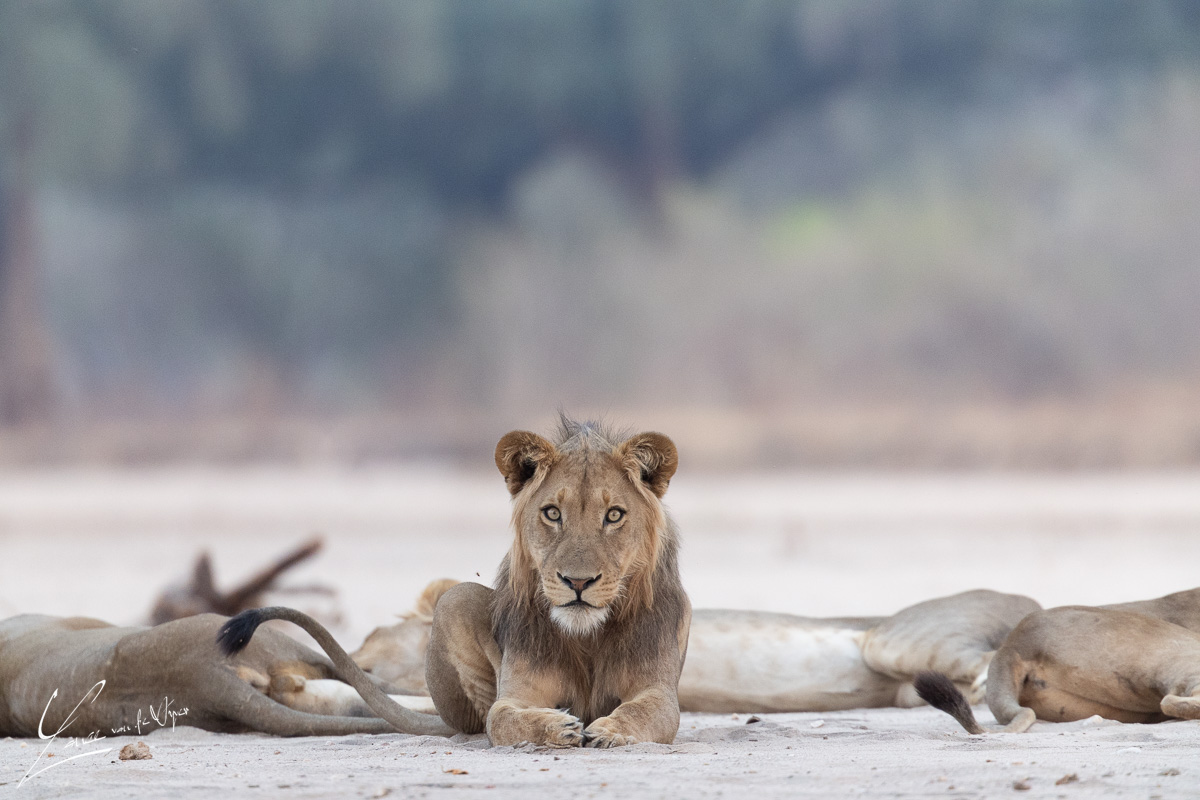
[80,676]
[1130,662]
[583,638]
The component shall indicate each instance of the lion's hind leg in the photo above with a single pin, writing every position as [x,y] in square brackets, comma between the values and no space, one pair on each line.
[463,659]
[260,681]
[1006,676]
[333,697]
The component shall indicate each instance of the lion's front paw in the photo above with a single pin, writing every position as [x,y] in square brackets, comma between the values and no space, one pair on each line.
[561,729]
[605,732]
[547,727]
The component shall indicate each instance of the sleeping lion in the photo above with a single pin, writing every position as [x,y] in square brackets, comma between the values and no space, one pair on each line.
[1130,662]
[79,676]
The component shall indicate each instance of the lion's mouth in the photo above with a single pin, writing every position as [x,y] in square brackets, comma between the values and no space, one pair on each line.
[579,617]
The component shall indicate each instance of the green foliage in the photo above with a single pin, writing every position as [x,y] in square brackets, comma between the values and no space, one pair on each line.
[466,94]
[293,179]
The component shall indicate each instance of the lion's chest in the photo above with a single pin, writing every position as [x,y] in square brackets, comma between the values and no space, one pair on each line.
[589,686]
[590,695]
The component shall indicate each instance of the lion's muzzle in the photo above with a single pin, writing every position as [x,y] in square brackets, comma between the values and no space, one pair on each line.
[578,585]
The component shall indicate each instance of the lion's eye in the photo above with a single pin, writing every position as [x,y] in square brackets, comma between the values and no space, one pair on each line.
[552,513]
[614,515]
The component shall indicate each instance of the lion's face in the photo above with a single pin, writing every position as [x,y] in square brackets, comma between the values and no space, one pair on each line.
[588,522]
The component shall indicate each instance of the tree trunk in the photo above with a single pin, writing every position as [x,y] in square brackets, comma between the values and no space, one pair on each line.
[26,374]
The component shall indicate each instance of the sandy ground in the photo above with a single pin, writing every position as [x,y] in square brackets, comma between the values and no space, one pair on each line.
[103,544]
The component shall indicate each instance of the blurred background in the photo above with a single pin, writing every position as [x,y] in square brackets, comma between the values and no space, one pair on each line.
[274,268]
[818,233]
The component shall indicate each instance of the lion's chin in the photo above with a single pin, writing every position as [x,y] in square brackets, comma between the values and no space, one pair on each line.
[579,620]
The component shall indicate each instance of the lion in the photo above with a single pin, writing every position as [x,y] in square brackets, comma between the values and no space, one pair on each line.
[76,676]
[761,661]
[1178,608]
[583,638]
[396,653]
[956,635]
[1129,662]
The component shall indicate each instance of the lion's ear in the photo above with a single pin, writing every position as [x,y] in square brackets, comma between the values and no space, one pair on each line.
[652,458]
[519,455]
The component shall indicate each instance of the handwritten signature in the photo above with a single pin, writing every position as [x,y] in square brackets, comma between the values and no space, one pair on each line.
[158,717]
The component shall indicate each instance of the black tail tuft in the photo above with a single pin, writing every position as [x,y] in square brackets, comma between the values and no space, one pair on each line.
[235,634]
[941,693]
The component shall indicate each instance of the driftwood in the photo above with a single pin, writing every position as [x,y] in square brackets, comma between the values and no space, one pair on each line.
[200,595]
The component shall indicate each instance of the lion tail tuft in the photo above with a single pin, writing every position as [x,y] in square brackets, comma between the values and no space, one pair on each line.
[941,693]
[235,634]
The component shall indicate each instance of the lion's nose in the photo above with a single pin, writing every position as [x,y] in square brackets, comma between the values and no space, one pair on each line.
[577,584]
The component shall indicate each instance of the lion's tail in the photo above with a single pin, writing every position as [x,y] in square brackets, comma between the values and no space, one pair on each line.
[252,710]
[941,693]
[236,633]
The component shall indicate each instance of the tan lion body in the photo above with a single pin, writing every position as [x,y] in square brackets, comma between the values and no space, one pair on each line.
[1073,662]
[757,661]
[583,638]
[396,653]
[177,662]
[1129,662]
[760,661]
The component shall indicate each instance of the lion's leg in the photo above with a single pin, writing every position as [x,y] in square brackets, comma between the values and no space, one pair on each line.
[237,706]
[463,659]
[978,689]
[525,709]
[333,697]
[1183,706]
[1006,675]
[651,716]
[906,696]
[254,677]
[1174,705]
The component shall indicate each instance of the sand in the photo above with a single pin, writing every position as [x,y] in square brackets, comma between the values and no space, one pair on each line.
[103,544]
[889,753]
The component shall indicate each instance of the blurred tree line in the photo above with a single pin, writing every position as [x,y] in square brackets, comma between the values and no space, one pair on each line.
[460,96]
[288,183]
